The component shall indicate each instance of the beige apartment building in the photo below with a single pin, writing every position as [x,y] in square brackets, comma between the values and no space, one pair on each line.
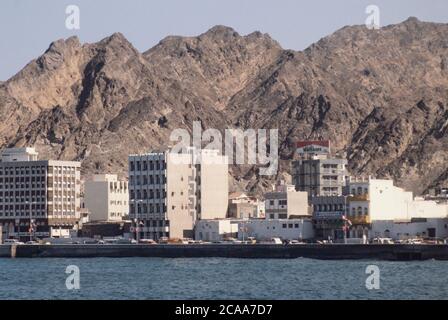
[285,202]
[107,198]
[168,192]
[38,198]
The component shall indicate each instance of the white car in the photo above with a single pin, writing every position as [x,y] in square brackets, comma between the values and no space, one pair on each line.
[12,241]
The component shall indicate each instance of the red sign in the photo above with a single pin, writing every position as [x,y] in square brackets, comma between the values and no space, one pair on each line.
[313,147]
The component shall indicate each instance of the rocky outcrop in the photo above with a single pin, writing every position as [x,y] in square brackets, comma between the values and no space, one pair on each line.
[379,95]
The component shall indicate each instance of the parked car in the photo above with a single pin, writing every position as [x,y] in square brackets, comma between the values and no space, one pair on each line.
[12,241]
[231,241]
[273,241]
[147,241]
[415,241]
[296,242]
[195,242]
[163,240]
[93,241]
[32,242]
[382,241]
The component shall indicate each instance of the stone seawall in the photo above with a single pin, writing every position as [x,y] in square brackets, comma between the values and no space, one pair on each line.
[324,252]
[5,251]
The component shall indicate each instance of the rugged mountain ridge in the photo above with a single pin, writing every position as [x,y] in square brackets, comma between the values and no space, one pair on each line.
[379,95]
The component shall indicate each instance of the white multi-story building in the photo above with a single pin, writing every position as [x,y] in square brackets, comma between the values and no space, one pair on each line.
[317,171]
[285,201]
[106,198]
[38,198]
[170,191]
[379,200]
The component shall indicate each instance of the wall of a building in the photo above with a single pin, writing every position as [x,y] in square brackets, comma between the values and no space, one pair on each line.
[388,202]
[408,230]
[96,200]
[214,187]
[179,212]
[297,203]
[264,230]
[428,209]
[215,230]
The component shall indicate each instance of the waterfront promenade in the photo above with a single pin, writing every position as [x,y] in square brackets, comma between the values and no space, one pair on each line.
[259,251]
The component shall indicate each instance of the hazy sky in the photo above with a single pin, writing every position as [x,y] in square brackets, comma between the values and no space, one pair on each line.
[29,26]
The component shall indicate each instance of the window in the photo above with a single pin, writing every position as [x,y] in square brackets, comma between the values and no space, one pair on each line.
[296,226]
[284,226]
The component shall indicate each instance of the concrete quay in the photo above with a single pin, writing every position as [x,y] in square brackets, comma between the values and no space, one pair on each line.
[257,251]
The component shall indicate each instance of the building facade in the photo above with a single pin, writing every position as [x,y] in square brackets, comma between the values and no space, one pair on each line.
[38,198]
[424,228]
[106,198]
[216,230]
[168,191]
[320,175]
[285,229]
[242,206]
[328,216]
[285,202]
[379,200]
[317,171]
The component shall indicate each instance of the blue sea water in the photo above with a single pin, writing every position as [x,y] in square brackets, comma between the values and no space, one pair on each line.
[216,278]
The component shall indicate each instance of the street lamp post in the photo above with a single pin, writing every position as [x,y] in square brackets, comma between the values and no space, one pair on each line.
[136,220]
[31,227]
[346,213]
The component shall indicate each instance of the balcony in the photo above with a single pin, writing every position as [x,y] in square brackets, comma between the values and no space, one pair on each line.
[359,197]
[331,215]
[360,220]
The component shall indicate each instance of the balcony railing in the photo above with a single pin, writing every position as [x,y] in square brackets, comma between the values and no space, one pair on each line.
[328,215]
[360,197]
[360,219]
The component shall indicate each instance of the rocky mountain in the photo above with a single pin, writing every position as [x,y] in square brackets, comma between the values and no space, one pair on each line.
[381,96]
